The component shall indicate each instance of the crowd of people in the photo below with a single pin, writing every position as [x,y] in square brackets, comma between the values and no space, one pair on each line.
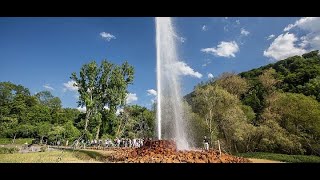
[117,142]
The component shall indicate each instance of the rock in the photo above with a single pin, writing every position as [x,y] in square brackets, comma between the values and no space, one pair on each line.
[203,157]
[165,151]
[134,154]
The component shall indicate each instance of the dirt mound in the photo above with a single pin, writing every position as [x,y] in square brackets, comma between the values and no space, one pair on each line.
[165,151]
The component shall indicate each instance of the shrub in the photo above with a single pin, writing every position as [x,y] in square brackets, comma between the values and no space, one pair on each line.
[5,150]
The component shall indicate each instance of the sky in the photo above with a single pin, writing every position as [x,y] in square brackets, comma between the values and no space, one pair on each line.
[41,53]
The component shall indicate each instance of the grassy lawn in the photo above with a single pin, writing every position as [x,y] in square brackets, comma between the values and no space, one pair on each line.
[282,157]
[17,141]
[68,156]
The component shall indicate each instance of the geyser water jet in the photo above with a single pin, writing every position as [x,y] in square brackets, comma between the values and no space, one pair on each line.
[171,123]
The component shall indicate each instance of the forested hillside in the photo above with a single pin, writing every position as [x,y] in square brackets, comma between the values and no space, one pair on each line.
[274,108]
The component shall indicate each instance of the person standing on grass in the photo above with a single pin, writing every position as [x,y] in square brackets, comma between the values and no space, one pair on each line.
[206,143]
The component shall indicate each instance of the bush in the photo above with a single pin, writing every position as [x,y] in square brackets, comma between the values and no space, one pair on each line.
[5,150]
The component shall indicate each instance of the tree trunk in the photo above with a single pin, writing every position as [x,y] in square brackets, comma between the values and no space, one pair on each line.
[235,147]
[118,130]
[41,140]
[119,127]
[87,120]
[14,138]
[98,131]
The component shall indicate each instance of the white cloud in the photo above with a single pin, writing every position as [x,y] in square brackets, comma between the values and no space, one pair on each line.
[181,68]
[224,49]
[210,75]
[314,40]
[131,97]
[271,37]
[107,36]
[106,107]
[47,86]
[225,17]
[304,42]
[70,86]
[283,46]
[290,26]
[311,25]
[238,21]
[204,28]
[306,23]
[152,92]
[82,109]
[244,32]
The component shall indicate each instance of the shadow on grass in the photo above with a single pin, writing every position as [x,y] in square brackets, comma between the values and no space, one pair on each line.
[89,155]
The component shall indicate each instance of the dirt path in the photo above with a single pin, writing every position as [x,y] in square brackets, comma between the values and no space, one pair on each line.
[264,161]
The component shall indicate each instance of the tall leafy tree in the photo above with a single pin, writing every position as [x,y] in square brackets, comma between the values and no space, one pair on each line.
[101,87]
[222,112]
[86,84]
[47,99]
[136,121]
[233,83]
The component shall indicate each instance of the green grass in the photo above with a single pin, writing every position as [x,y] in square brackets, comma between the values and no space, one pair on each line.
[282,157]
[17,141]
[48,157]
[66,156]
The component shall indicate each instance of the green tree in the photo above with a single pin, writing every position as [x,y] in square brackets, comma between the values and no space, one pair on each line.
[268,80]
[137,122]
[298,114]
[248,111]
[86,87]
[26,130]
[100,87]
[44,97]
[222,113]
[43,130]
[312,88]
[233,83]
[70,131]
[271,137]
[56,133]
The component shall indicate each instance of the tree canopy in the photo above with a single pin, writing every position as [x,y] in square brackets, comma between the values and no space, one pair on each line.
[274,108]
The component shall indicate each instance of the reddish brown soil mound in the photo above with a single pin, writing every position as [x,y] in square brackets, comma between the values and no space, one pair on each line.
[165,151]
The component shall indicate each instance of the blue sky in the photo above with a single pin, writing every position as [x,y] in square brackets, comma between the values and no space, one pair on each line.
[41,53]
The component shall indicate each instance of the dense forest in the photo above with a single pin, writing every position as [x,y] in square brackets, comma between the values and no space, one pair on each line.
[274,108]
